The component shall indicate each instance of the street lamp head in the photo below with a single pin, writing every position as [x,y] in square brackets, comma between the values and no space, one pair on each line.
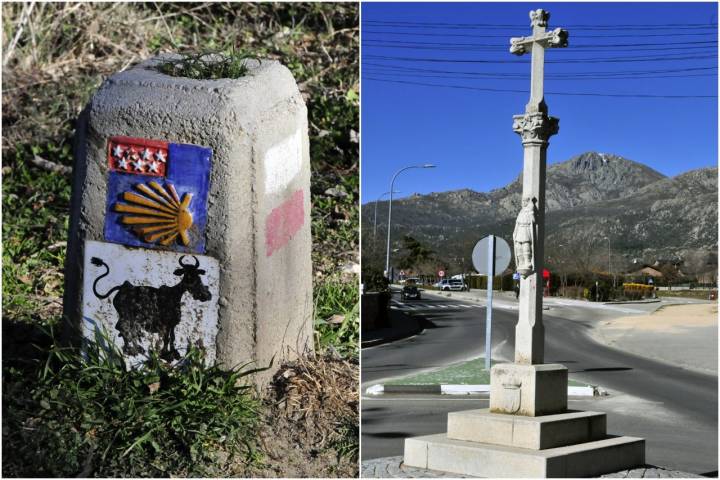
[428,165]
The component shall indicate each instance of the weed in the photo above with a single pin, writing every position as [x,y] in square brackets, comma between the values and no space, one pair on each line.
[208,65]
[337,316]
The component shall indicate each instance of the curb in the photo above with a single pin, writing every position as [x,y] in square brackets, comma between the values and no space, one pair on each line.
[380,389]
[392,338]
[631,302]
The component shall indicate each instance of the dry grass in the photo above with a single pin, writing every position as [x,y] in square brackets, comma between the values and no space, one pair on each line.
[313,407]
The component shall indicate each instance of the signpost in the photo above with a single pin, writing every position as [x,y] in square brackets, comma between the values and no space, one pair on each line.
[492,256]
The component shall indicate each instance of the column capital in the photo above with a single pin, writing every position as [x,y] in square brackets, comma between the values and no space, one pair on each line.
[536,127]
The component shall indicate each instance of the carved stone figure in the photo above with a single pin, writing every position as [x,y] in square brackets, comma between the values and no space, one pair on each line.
[525,236]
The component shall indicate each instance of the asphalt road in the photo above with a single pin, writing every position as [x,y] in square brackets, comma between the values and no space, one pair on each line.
[673,408]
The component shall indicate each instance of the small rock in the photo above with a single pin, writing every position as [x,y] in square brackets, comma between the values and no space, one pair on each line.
[336,192]
[351,268]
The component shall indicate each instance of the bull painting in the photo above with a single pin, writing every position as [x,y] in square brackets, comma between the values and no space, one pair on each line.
[142,308]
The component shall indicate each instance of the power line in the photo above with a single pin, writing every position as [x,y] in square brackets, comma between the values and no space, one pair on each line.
[569,74]
[564,61]
[508,35]
[471,76]
[505,45]
[502,90]
[513,25]
[473,26]
[504,49]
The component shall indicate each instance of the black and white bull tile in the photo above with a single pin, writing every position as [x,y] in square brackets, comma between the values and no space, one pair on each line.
[150,300]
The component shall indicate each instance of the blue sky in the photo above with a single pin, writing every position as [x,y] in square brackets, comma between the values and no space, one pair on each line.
[467,132]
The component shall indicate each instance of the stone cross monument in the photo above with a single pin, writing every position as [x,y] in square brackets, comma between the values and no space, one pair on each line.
[535,128]
[528,430]
[529,387]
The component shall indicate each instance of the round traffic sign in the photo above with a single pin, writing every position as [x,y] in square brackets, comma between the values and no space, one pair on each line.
[480,255]
[441,273]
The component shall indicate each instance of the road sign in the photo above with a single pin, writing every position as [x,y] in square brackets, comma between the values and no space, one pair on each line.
[480,256]
[546,273]
[441,273]
[516,276]
[490,256]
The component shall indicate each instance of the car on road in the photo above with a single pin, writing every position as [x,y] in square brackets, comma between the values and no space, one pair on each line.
[451,284]
[410,290]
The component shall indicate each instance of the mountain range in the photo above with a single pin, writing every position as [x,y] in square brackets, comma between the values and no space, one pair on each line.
[591,199]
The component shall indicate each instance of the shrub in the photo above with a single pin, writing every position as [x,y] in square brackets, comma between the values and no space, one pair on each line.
[637,291]
[374,280]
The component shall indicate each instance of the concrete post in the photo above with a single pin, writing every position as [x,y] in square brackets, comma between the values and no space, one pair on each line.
[257,213]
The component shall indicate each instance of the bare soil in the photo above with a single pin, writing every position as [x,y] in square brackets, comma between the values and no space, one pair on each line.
[668,319]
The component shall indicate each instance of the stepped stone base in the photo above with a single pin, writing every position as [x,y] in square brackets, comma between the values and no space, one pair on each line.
[589,459]
[536,433]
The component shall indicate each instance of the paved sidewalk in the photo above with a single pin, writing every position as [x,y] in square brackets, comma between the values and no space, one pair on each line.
[392,467]
[401,326]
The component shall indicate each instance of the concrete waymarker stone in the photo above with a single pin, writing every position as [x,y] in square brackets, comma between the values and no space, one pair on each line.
[216,170]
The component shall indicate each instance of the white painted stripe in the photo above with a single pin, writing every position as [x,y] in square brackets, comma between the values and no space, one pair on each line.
[473,389]
[375,390]
[581,391]
[282,163]
[463,389]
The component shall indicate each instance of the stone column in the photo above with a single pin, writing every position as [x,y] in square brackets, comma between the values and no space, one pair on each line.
[535,128]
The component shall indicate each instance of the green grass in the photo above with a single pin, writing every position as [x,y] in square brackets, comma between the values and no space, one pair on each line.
[337,313]
[471,372]
[86,412]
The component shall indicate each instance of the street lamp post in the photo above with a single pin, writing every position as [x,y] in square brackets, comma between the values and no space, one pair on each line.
[375,220]
[609,265]
[392,188]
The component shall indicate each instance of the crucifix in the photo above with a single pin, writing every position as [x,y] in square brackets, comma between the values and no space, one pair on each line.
[535,128]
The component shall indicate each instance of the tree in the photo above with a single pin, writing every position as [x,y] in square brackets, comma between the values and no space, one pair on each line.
[413,254]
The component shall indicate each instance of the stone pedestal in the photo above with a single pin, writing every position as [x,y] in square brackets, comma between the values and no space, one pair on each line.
[256,222]
[528,389]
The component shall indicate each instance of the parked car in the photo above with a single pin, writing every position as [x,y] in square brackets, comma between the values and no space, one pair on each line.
[410,290]
[451,284]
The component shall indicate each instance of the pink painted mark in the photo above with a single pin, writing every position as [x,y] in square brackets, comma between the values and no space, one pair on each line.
[284,222]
